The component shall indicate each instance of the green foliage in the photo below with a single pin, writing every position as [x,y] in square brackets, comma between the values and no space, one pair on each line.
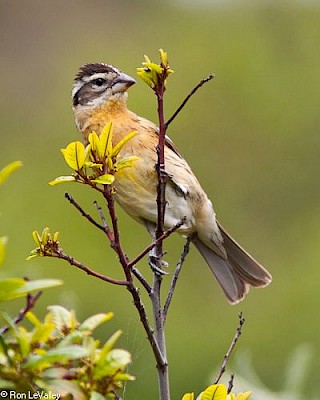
[47,243]
[57,355]
[13,288]
[6,171]
[3,242]
[60,355]
[151,72]
[217,392]
[97,162]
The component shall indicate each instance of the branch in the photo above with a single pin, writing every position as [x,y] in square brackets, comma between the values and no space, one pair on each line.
[155,242]
[104,228]
[105,224]
[175,277]
[116,244]
[30,303]
[162,367]
[60,254]
[193,91]
[231,347]
[230,384]
[146,324]
[160,167]
[130,286]
[82,212]
[141,279]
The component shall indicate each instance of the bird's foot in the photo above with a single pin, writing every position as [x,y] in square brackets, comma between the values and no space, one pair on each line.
[156,263]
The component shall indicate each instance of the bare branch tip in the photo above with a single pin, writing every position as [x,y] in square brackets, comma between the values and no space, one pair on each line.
[230,384]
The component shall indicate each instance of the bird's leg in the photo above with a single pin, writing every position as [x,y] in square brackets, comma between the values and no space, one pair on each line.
[156,263]
[155,260]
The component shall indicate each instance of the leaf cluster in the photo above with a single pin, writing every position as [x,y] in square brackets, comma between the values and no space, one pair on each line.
[60,355]
[98,162]
[152,74]
[47,244]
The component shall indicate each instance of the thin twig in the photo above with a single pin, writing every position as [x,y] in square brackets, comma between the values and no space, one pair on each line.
[230,384]
[231,347]
[116,396]
[83,213]
[129,284]
[104,223]
[30,303]
[89,271]
[175,277]
[141,279]
[198,86]
[116,244]
[154,243]
[146,324]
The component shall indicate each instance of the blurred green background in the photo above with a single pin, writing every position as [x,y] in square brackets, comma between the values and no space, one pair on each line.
[251,136]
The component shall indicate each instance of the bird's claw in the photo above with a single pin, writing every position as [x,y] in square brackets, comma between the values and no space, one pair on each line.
[156,264]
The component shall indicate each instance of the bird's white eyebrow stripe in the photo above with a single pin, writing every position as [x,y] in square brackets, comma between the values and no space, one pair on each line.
[94,76]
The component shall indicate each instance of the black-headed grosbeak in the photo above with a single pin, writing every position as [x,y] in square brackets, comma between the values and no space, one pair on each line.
[99,96]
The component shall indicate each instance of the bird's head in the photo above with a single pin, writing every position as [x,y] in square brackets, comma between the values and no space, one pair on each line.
[96,84]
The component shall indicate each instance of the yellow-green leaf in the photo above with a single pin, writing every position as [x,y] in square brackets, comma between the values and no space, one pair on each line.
[93,139]
[33,254]
[61,355]
[106,179]
[107,132]
[23,338]
[163,57]
[62,179]
[45,235]
[36,238]
[104,142]
[153,67]
[35,285]
[6,171]
[91,323]
[116,150]
[33,318]
[55,237]
[110,343]
[3,241]
[42,333]
[8,287]
[75,155]
[96,396]
[214,392]
[115,361]
[188,396]
[61,317]
[126,162]
[91,164]
[146,76]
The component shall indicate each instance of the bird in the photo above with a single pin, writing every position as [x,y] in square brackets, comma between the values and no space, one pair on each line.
[99,96]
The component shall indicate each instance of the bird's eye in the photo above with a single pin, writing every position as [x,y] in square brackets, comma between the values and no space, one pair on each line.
[99,81]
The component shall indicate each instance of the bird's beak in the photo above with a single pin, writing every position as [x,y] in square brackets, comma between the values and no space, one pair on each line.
[122,83]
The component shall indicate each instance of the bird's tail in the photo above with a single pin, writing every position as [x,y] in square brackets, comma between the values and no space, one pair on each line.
[237,272]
